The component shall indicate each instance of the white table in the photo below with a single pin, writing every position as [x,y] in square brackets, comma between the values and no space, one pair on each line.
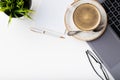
[25,55]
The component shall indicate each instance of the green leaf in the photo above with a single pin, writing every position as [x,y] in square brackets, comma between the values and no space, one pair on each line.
[28,16]
[10,18]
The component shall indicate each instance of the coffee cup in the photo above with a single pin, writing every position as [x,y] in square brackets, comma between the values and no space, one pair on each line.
[85,20]
[86,17]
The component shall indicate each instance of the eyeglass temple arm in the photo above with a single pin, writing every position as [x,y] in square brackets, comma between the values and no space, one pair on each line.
[104,72]
[88,52]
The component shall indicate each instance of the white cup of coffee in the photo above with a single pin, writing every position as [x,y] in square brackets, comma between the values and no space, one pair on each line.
[86,17]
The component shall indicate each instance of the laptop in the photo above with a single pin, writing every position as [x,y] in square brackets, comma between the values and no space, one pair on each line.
[107,47]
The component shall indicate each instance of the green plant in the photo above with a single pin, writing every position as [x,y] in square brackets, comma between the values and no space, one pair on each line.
[16,8]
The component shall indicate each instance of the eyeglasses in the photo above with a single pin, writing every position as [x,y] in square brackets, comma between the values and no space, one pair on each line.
[97,60]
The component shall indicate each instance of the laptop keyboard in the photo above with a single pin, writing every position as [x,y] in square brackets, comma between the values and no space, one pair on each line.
[112,8]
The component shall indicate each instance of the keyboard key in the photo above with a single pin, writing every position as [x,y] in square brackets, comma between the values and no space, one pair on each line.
[113,25]
[109,22]
[112,9]
[118,8]
[115,4]
[115,13]
[117,0]
[113,19]
[117,23]
[110,15]
[118,17]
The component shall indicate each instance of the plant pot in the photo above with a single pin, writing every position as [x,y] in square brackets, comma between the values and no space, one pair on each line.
[27,5]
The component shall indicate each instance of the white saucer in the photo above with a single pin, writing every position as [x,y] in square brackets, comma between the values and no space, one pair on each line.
[85,35]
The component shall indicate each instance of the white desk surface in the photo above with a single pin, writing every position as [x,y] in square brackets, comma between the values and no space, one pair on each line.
[25,55]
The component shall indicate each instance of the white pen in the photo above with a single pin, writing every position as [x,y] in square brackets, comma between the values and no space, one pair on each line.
[47,32]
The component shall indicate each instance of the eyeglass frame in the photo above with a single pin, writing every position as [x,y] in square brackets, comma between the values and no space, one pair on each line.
[97,60]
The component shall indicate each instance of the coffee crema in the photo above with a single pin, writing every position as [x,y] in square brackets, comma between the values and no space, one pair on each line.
[86,17]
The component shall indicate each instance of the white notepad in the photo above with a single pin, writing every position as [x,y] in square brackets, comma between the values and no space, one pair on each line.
[50,14]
